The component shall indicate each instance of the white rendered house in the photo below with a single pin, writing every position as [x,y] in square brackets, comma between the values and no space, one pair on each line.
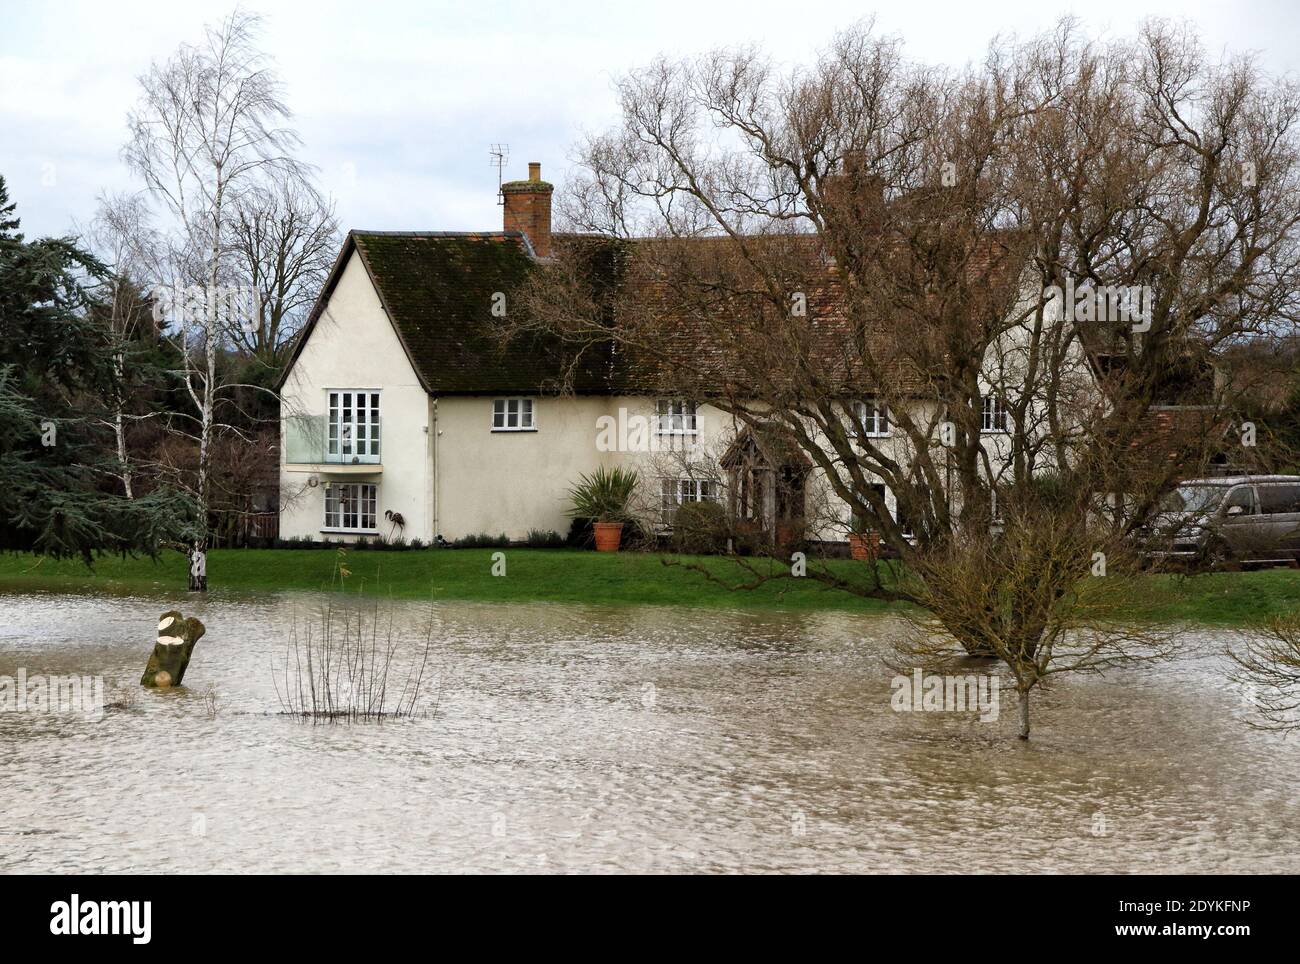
[399,403]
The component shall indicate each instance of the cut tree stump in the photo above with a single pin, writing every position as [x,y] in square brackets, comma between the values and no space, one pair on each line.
[171,653]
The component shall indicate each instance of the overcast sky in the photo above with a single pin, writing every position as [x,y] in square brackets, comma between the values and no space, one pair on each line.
[398,102]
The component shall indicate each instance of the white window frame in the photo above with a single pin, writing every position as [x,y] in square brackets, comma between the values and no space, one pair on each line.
[366,498]
[343,433]
[524,413]
[871,416]
[907,527]
[676,416]
[992,406]
[674,493]
[858,523]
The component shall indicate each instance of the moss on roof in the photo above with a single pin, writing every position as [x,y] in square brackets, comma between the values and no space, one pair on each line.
[440,290]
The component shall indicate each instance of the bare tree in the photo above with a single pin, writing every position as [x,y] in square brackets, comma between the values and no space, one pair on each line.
[286,237]
[1023,269]
[1268,667]
[122,235]
[207,131]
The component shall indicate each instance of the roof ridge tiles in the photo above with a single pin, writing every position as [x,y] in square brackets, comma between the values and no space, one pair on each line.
[438,234]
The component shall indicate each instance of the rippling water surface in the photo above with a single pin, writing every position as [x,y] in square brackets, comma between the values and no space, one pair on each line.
[571,738]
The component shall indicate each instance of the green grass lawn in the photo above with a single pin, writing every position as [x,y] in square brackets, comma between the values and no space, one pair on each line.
[1225,598]
[561,575]
[557,575]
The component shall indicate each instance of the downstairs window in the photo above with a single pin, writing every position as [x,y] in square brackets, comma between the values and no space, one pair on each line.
[350,506]
[675,492]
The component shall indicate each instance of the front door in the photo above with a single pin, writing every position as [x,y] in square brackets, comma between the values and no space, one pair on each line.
[790,504]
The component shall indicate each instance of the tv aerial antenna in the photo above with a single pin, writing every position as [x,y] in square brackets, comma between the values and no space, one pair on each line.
[500,154]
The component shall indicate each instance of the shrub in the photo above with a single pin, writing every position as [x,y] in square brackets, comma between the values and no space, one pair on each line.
[581,535]
[1050,491]
[294,542]
[339,673]
[544,539]
[481,540]
[700,527]
[635,536]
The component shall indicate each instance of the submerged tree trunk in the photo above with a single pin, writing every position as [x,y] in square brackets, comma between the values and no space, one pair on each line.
[1024,714]
[198,567]
[171,653]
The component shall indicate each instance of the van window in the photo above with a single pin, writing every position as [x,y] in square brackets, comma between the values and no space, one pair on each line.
[1192,499]
[1243,495]
[1275,499]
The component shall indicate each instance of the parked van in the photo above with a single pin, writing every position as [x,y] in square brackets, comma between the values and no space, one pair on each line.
[1219,522]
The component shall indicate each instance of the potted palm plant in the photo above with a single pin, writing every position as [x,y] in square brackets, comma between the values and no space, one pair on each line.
[604,497]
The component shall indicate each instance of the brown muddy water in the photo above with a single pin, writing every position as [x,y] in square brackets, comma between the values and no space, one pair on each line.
[577,739]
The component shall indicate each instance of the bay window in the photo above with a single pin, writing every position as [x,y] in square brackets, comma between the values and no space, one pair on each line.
[350,506]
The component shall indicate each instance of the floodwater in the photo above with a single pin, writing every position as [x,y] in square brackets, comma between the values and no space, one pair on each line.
[577,739]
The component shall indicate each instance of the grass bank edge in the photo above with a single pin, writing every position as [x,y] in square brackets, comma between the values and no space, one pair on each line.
[562,575]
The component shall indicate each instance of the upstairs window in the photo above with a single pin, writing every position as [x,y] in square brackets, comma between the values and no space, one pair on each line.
[353,434]
[873,418]
[513,415]
[995,414]
[675,416]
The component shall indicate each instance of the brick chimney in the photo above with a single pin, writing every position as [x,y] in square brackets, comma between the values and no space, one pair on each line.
[854,191]
[528,208]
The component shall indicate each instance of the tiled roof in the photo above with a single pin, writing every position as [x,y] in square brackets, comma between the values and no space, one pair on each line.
[729,334]
[438,290]
[1180,441]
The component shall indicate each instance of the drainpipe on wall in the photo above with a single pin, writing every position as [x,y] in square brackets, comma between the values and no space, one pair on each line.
[435,503]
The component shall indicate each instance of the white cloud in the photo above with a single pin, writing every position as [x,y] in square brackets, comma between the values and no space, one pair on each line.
[410,95]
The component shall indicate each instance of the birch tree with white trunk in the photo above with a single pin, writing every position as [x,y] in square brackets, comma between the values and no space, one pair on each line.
[207,131]
[123,237]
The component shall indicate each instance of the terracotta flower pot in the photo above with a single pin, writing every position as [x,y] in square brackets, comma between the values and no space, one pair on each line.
[608,535]
[864,546]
